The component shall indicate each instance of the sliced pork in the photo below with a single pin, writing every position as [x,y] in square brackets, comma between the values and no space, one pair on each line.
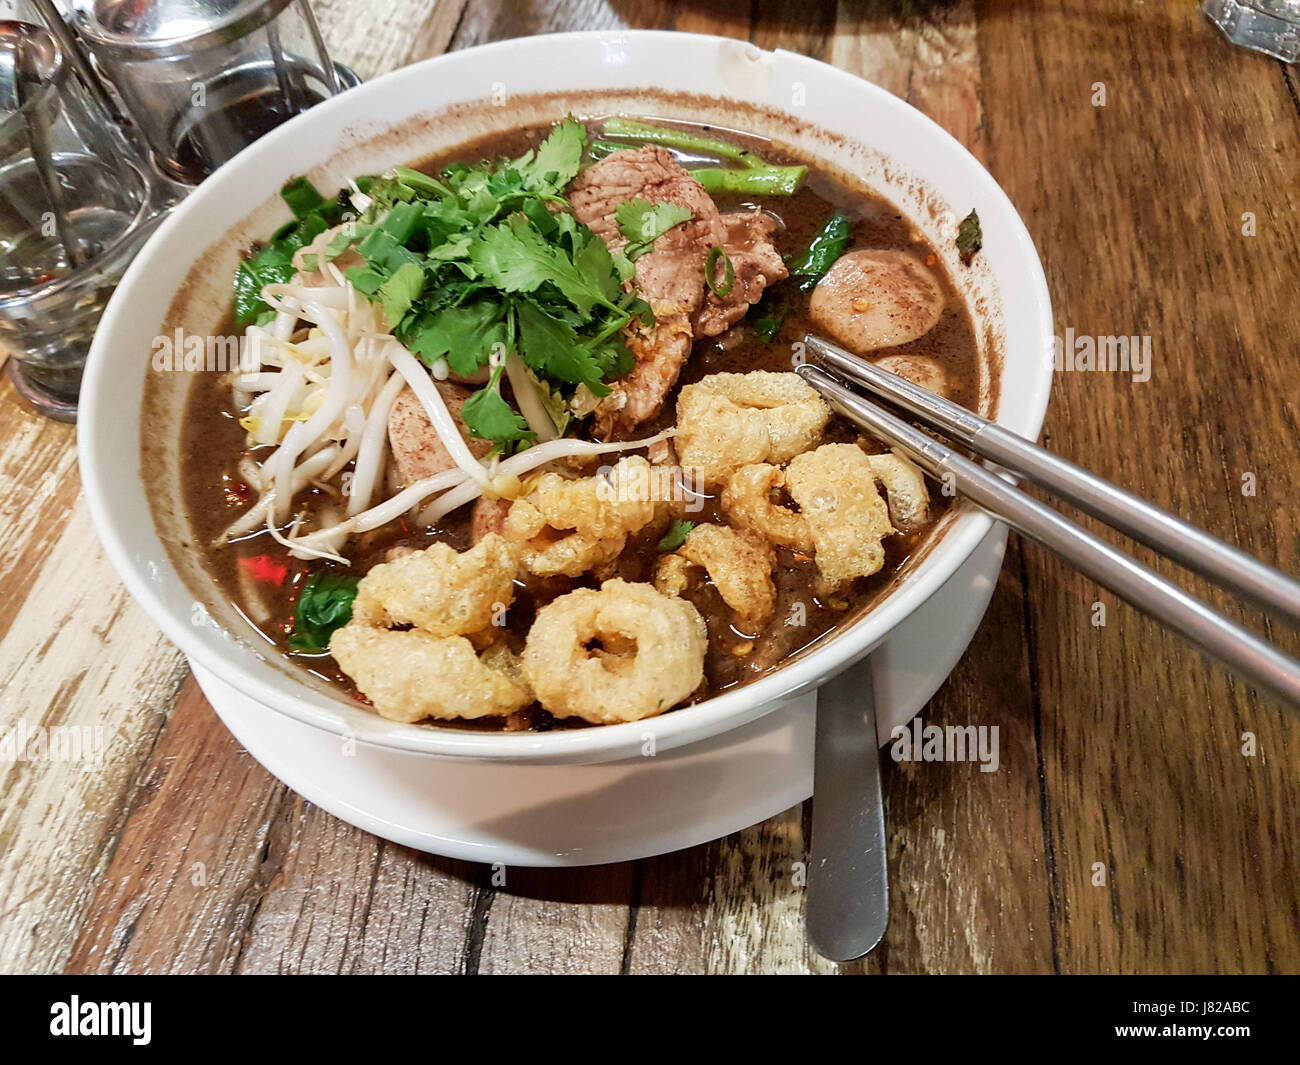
[417,449]
[670,277]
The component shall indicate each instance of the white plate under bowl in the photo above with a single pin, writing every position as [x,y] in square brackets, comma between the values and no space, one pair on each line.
[564,815]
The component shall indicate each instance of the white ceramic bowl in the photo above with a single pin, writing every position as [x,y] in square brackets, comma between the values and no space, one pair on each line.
[182,278]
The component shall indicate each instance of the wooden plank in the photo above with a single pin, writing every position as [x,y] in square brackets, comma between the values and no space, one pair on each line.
[496,20]
[737,906]
[204,839]
[1172,847]
[1118,746]
[221,869]
[556,920]
[373,44]
[733,906]
[238,873]
[87,682]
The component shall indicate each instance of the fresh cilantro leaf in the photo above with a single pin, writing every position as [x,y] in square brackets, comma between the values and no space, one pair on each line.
[676,535]
[453,248]
[592,259]
[463,335]
[638,308]
[551,348]
[400,291]
[555,162]
[515,257]
[642,223]
[623,267]
[324,605]
[613,358]
[489,417]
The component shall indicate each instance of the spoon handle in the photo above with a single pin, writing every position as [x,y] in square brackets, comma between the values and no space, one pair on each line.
[848,881]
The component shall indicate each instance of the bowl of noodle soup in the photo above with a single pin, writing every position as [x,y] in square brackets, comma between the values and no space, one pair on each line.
[165,426]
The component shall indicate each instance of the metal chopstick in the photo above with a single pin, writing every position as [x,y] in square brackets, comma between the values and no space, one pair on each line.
[1237,648]
[1231,568]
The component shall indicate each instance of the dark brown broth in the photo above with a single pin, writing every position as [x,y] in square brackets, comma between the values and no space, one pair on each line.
[213,443]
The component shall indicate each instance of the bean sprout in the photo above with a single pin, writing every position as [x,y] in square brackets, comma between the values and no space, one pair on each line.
[318,390]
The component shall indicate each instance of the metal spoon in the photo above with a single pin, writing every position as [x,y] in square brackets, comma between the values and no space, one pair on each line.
[29,87]
[848,881]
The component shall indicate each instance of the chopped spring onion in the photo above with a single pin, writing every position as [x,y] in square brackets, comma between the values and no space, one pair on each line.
[728,274]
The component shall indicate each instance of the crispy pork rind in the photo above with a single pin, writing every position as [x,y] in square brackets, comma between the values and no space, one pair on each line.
[672,574]
[739,564]
[747,501]
[650,653]
[572,525]
[729,420]
[439,590]
[454,601]
[905,491]
[409,675]
[835,487]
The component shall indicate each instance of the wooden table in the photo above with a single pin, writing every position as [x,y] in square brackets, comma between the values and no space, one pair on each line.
[1126,830]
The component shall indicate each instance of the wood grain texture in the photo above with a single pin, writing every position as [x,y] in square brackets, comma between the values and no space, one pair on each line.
[1121,750]
[1167,840]
[85,686]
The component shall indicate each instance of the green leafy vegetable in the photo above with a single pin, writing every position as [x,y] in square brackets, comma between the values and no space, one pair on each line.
[488,416]
[273,262]
[969,237]
[676,535]
[302,197]
[478,260]
[728,272]
[400,291]
[822,251]
[643,223]
[771,316]
[324,604]
[556,161]
[806,269]
[514,257]
[499,265]
[463,335]
[551,349]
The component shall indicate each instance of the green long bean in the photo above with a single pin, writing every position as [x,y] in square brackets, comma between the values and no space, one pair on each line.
[755,176]
[680,138]
[755,181]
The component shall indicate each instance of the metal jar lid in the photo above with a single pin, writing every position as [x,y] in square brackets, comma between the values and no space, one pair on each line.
[31,66]
[158,29]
